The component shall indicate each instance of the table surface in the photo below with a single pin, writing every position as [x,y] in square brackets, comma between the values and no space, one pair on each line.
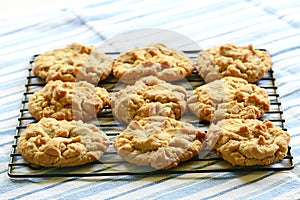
[120,25]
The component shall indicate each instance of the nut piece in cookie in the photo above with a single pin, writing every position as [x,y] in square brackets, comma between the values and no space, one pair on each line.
[159,142]
[68,100]
[72,63]
[233,60]
[149,96]
[230,97]
[248,142]
[166,63]
[53,143]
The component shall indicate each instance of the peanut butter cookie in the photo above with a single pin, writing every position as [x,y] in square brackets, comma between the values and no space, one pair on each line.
[166,63]
[68,100]
[149,96]
[229,97]
[233,60]
[159,142]
[53,143]
[75,62]
[248,142]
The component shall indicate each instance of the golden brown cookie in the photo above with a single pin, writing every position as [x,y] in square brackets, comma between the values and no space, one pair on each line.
[229,97]
[68,100]
[166,63]
[149,96]
[233,60]
[74,62]
[248,142]
[53,143]
[159,142]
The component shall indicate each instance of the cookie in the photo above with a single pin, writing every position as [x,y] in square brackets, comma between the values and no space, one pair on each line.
[72,63]
[248,142]
[149,96]
[233,60]
[166,63]
[159,142]
[68,100]
[229,97]
[53,143]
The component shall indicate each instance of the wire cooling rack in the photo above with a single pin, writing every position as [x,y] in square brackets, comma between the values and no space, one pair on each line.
[112,165]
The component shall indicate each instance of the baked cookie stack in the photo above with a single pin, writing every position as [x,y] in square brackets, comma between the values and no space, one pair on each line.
[62,137]
[234,105]
[151,106]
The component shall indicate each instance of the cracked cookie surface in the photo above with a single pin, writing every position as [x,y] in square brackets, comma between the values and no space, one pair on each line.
[233,60]
[166,63]
[75,62]
[53,143]
[159,142]
[229,97]
[248,142]
[149,96]
[68,100]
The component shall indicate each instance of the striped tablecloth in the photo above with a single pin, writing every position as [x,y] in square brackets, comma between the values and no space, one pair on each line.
[272,25]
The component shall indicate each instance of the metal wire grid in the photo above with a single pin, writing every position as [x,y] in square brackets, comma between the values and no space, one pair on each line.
[111,164]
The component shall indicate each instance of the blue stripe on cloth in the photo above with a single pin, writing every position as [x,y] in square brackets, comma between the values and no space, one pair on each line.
[277,188]
[5,143]
[20,196]
[53,184]
[90,189]
[142,187]
[184,189]
[73,28]
[98,186]
[219,193]
[10,83]
[9,94]
[77,192]
[7,70]
[8,30]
